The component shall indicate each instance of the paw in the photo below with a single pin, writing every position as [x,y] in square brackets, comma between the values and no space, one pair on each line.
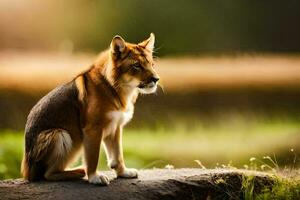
[81,172]
[128,173]
[99,179]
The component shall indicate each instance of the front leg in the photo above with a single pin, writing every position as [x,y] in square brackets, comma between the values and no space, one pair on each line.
[91,143]
[114,154]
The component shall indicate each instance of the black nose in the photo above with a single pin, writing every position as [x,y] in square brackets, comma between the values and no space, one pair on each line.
[154,79]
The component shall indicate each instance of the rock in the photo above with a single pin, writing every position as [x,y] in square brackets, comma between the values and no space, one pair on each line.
[152,184]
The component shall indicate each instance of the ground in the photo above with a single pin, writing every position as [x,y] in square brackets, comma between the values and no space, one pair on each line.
[151,184]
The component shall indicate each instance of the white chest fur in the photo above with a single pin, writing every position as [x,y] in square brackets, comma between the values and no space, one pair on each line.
[117,119]
[120,118]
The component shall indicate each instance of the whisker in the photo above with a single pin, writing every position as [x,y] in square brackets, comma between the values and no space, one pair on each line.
[161,87]
[155,50]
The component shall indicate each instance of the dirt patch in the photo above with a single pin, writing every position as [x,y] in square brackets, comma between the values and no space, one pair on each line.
[152,184]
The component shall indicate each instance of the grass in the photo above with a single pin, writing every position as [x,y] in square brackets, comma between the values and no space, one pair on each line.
[11,149]
[283,185]
[282,188]
[223,143]
[232,141]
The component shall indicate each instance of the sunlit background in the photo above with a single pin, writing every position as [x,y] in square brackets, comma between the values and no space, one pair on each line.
[230,76]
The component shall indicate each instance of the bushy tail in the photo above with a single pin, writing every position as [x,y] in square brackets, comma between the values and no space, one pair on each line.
[32,171]
[25,167]
[48,142]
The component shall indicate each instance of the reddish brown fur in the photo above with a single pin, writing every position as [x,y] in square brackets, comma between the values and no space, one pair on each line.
[106,94]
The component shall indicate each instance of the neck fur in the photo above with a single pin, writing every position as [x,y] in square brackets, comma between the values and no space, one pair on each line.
[125,92]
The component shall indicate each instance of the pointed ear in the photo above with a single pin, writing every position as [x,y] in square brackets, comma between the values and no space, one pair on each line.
[148,43]
[117,45]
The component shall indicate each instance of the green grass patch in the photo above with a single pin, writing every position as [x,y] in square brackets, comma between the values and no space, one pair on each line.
[11,150]
[231,141]
[281,189]
[228,142]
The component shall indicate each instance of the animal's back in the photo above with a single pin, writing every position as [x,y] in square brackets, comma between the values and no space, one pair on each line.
[59,109]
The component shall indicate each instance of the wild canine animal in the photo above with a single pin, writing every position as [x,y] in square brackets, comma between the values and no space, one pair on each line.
[91,108]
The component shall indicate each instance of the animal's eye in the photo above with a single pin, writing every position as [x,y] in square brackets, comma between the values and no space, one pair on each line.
[137,67]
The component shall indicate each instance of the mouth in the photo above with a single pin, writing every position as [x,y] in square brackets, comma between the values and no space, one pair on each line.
[147,88]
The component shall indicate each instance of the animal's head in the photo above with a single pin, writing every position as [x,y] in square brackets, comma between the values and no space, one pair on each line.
[132,65]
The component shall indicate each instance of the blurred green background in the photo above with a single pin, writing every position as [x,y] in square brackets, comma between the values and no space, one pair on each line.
[230,72]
